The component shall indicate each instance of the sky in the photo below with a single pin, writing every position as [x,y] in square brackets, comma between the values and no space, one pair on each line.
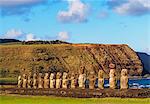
[78,21]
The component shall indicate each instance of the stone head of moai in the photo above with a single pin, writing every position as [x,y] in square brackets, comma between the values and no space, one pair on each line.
[58,75]
[65,75]
[24,76]
[40,75]
[52,76]
[46,76]
[29,76]
[72,76]
[112,73]
[124,72]
[34,76]
[92,74]
[100,74]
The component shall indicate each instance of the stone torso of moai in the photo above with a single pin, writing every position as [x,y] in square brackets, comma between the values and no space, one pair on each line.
[112,76]
[65,80]
[40,81]
[92,79]
[101,79]
[58,80]
[35,82]
[81,78]
[124,79]
[24,85]
[46,80]
[29,85]
[52,80]
[19,81]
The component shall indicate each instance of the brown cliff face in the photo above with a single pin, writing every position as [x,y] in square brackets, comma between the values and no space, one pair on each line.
[69,57]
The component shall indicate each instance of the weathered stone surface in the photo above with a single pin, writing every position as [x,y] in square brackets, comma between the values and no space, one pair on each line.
[46,80]
[124,79]
[58,80]
[73,81]
[81,81]
[24,85]
[101,79]
[40,81]
[65,80]
[112,79]
[52,80]
[19,81]
[92,80]
[29,84]
[35,82]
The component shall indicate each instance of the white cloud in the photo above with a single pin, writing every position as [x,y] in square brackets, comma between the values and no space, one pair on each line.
[130,7]
[18,7]
[13,33]
[63,35]
[77,12]
[133,7]
[18,34]
[31,37]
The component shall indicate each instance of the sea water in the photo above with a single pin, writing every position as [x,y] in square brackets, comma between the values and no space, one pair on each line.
[133,83]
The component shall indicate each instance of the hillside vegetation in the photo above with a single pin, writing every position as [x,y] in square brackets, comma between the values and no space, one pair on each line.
[67,57]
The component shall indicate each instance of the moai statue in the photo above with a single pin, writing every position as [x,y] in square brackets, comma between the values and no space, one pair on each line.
[19,81]
[58,80]
[65,80]
[124,79]
[29,84]
[35,82]
[92,80]
[46,80]
[52,80]
[112,76]
[24,85]
[101,79]
[73,81]
[40,81]
[81,79]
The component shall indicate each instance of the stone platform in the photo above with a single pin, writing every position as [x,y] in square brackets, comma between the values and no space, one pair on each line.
[80,93]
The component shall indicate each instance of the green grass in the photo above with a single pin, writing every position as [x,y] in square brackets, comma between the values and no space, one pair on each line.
[17,99]
[8,80]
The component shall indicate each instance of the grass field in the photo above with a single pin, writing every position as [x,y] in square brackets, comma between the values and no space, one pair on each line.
[16,99]
[8,80]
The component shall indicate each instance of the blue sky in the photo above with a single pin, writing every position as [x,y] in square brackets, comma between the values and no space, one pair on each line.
[78,21]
